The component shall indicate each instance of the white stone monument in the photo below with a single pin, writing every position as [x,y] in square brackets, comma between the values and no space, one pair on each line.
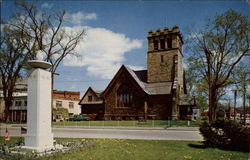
[39,133]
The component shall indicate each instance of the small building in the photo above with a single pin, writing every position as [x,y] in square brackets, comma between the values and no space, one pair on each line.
[68,100]
[196,112]
[18,110]
[186,105]
[92,104]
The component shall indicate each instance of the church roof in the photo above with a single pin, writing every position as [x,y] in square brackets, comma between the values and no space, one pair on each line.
[186,99]
[97,92]
[159,88]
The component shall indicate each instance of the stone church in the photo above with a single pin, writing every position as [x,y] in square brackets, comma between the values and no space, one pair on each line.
[156,93]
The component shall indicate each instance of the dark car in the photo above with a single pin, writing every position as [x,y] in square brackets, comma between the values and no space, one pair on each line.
[79,118]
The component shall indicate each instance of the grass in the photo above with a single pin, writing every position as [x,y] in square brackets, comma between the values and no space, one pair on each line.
[114,149]
[148,123]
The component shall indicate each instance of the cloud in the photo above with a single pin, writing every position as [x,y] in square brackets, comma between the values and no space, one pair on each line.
[248,1]
[47,5]
[135,68]
[102,51]
[80,17]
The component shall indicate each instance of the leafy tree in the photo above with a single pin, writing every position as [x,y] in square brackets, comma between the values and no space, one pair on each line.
[217,49]
[13,58]
[197,85]
[36,31]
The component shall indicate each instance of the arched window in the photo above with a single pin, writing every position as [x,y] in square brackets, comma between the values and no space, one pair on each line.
[169,41]
[124,97]
[155,45]
[162,43]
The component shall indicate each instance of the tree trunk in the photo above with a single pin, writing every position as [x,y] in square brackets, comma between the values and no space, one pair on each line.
[7,103]
[212,103]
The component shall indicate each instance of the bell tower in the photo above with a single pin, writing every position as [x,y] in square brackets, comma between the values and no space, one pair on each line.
[164,57]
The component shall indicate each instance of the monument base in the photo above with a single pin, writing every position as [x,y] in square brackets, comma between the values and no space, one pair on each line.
[38,149]
[39,143]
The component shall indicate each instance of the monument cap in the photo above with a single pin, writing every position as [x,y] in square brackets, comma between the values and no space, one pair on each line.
[39,62]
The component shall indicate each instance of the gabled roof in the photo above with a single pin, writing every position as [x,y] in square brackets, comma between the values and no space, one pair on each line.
[186,100]
[97,93]
[159,88]
[140,77]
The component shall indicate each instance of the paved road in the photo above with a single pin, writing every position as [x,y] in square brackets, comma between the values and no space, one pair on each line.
[163,134]
[128,134]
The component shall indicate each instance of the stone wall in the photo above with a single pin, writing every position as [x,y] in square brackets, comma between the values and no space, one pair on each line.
[160,66]
[163,45]
[159,107]
[113,111]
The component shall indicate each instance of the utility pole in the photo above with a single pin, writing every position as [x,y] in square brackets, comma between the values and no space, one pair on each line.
[229,109]
[235,96]
[52,90]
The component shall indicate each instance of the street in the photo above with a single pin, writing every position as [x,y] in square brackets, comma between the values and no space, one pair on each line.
[163,134]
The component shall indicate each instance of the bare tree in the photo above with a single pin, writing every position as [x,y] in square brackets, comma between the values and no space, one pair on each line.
[217,49]
[47,34]
[44,32]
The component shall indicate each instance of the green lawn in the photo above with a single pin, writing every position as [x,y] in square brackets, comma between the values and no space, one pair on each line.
[114,149]
[149,123]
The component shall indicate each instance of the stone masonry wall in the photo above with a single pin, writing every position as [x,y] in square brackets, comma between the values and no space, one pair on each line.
[159,71]
[163,45]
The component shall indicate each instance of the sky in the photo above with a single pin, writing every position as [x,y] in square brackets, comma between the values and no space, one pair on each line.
[116,33]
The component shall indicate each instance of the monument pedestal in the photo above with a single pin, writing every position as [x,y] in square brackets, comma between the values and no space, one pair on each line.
[39,143]
[39,133]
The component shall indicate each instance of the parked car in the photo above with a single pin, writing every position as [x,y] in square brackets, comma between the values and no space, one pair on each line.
[79,118]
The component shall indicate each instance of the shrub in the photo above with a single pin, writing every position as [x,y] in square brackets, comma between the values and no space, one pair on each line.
[226,134]
[220,114]
[204,118]
[61,111]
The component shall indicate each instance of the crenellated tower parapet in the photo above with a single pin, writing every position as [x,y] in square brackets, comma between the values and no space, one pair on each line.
[165,55]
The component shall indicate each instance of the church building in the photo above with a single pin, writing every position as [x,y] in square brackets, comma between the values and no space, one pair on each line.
[156,93]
